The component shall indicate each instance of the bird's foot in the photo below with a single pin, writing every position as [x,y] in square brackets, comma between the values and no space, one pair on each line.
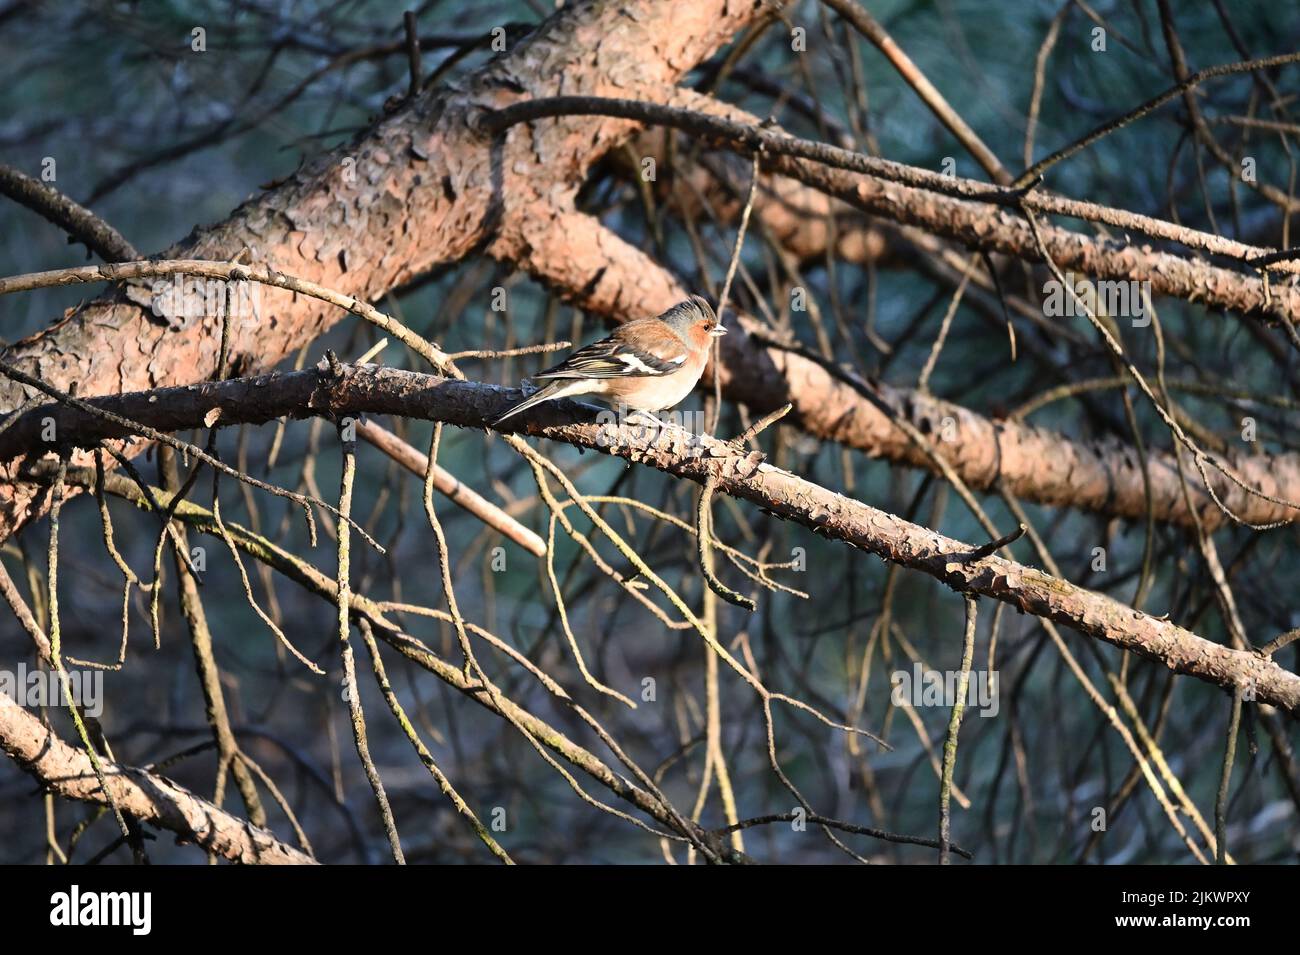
[648,416]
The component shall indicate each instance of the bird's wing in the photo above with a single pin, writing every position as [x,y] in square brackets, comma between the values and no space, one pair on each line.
[623,356]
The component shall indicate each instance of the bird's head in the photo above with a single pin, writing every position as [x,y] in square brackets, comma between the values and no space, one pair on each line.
[694,313]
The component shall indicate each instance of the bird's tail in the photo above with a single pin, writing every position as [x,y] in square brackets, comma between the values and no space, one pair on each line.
[555,389]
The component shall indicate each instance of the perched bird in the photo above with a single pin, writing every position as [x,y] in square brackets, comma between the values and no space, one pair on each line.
[647,364]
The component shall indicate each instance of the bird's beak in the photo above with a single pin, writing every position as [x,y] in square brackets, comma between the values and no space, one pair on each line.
[718,331]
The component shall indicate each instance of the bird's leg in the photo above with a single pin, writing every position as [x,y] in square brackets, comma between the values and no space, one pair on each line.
[652,419]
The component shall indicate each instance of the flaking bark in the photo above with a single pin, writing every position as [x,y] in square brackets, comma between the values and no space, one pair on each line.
[371,389]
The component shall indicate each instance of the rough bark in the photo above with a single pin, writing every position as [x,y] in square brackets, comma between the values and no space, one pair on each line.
[153,799]
[597,269]
[804,221]
[422,187]
[744,475]
[426,186]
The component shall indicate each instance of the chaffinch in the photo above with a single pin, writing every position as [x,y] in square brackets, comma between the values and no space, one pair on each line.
[647,364]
